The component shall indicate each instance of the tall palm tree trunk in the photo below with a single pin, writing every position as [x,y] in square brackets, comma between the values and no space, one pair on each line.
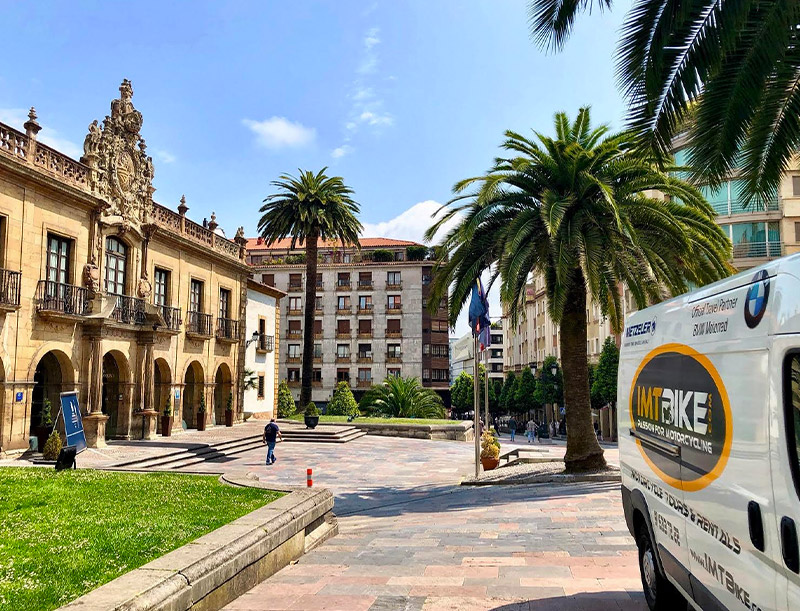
[308,320]
[583,451]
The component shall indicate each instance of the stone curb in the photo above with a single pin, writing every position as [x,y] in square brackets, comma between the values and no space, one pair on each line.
[459,431]
[209,572]
[553,478]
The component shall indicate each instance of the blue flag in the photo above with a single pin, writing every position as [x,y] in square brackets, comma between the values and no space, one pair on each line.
[479,315]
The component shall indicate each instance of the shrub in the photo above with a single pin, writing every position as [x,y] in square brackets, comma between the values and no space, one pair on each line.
[286,405]
[490,447]
[47,414]
[382,255]
[168,406]
[400,397]
[416,253]
[202,407]
[53,446]
[229,406]
[311,410]
[343,403]
[295,259]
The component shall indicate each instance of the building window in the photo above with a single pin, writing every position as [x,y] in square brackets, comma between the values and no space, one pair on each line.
[196,296]
[426,349]
[365,351]
[440,375]
[317,327]
[261,385]
[224,304]
[393,325]
[343,302]
[268,279]
[295,327]
[116,265]
[797,232]
[58,253]
[365,327]
[161,284]
[295,303]
[426,275]
[317,351]
[393,302]
[343,375]
[318,304]
[343,327]
[319,281]
[293,375]
[365,279]
[294,351]
[316,376]
[295,281]
[393,278]
[393,351]
[440,351]
[399,255]
[365,302]
[795,186]
[342,351]
[343,279]
[365,376]
[393,372]
[426,375]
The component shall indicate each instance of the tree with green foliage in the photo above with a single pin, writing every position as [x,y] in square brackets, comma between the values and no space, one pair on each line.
[399,397]
[525,393]
[495,390]
[343,403]
[307,209]
[605,379]
[507,394]
[579,210]
[727,71]
[596,402]
[381,255]
[286,405]
[416,252]
[549,387]
[462,392]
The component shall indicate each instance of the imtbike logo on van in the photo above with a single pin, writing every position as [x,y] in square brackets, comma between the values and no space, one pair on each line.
[678,397]
[642,328]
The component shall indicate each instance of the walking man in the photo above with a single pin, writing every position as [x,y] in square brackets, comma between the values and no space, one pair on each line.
[271,434]
[512,427]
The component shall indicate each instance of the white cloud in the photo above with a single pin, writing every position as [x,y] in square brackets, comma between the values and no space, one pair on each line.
[165,156]
[408,225]
[371,39]
[369,62]
[279,132]
[341,151]
[370,118]
[16,117]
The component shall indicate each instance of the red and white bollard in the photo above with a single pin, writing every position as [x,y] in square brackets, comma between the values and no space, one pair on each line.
[309,481]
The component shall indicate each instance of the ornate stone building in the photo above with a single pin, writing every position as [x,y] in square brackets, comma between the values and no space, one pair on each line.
[106,292]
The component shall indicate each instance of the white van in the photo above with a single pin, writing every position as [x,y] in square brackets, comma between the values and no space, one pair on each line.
[709,437]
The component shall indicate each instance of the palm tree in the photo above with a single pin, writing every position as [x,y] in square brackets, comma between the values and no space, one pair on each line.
[400,397]
[731,70]
[581,210]
[307,209]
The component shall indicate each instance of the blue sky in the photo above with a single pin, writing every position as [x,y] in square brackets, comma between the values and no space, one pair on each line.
[401,98]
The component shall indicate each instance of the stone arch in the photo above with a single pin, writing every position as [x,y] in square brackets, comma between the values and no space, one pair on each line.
[162,388]
[52,374]
[116,393]
[193,389]
[223,387]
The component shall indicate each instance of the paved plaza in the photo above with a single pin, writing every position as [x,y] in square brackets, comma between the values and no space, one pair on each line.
[411,538]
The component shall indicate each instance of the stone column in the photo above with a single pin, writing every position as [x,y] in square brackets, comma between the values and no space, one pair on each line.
[149,415]
[94,425]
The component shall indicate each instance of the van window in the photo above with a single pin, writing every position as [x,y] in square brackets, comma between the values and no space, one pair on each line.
[791,377]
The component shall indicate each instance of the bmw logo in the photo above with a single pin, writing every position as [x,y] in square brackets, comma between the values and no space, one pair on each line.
[756,302]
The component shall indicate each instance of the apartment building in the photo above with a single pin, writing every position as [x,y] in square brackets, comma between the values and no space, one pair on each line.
[462,354]
[372,318]
[105,292]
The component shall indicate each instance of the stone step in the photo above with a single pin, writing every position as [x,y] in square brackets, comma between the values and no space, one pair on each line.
[322,435]
[195,454]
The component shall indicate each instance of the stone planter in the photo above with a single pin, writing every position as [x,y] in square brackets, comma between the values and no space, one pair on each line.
[201,421]
[228,418]
[311,421]
[489,463]
[166,426]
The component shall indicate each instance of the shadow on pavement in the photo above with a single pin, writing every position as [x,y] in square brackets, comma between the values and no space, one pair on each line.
[388,501]
[586,601]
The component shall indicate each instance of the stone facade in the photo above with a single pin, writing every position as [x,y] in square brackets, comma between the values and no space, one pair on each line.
[372,320]
[262,329]
[104,291]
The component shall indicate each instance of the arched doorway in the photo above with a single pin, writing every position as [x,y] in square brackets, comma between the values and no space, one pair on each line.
[115,383]
[162,383]
[192,391]
[52,376]
[222,390]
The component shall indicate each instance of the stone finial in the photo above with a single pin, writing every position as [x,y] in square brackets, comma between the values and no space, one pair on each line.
[212,225]
[126,89]
[183,207]
[32,126]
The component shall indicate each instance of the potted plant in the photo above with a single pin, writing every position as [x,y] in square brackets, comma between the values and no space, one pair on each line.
[490,451]
[201,414]
[311,416]
[52,447]
[45,424]
[229,411]
[166,419]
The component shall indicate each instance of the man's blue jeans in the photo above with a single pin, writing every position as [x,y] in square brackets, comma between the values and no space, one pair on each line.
[513,432]
[270,452]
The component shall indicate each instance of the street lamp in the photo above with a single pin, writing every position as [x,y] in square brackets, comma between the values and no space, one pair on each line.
[554,371]
[254,338]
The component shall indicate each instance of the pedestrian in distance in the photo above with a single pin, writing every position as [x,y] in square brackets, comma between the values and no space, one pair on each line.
[531,430]
[271,434]
[512,427]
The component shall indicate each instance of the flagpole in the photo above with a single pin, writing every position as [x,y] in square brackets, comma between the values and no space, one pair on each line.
[476,423]
[486,386]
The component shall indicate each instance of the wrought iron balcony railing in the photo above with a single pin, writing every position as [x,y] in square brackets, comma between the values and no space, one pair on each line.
[59,298]
[128,310]
[198,323]
[172,317]
[227,329]
[9,288]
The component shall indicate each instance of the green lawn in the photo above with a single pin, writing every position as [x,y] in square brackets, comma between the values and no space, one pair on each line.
[362,420]
[64,534]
